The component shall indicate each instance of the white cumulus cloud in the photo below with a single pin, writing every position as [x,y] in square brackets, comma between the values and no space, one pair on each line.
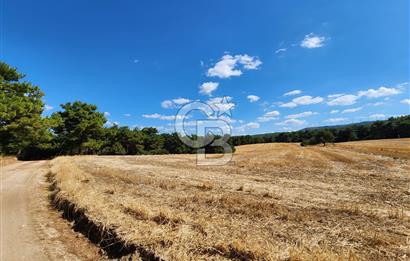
[167,104]
[405,101]
[381,92]
[272,115]
[313,41]
[334,111]
[181,101]
[112,123]
[208,87]
[253,98]
[230,65]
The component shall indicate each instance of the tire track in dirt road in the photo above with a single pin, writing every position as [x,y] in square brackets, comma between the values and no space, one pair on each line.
[29,228]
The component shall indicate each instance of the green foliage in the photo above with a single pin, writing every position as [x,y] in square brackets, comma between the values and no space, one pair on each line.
[122,140]
[22,129]
[320,137]
[324,136]
[398,127]
[9,74]
[78,128]
[346,134]
[152,141]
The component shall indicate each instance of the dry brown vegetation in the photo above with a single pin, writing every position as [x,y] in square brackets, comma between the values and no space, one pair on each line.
[274,201]
[4,161]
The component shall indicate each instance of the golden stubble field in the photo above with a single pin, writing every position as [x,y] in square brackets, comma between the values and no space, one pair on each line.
[348,201]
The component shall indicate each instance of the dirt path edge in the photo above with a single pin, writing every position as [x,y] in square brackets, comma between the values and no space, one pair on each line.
[110,243]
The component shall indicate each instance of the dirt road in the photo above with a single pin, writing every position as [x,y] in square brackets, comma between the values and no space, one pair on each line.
[30,229]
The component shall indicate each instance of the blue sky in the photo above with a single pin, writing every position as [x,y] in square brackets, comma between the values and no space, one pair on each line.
[345,61]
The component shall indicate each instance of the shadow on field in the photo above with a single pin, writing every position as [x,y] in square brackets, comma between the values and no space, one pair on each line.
[106,238]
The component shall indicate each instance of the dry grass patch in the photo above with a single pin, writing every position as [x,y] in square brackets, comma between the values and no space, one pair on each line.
[273,202]
[4,161]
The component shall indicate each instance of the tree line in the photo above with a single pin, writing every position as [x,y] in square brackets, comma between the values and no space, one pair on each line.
[394,127]
[78,129]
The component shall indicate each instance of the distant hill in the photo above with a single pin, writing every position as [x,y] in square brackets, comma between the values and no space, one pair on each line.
[318,128]
[394,127]
[338,126]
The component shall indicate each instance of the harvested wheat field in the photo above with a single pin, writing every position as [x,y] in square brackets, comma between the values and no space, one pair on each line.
[272,202]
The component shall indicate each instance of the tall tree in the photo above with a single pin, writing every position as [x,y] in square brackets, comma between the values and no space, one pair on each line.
[324,136]
[21,126]
[153,142]
[79,128]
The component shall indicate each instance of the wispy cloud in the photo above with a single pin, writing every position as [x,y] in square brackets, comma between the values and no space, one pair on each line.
[253,98]
[300,115]
[230,65]
[352,110]
[402,85]
[127,115]
[250,125]
[313,41]
[294,92]
[331,96]
[281,50]
[291,122]
[377,116]
[377,104]
[174,103]
[163,117]
[272,115]
[336,120]
[344,100]
[303,100]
